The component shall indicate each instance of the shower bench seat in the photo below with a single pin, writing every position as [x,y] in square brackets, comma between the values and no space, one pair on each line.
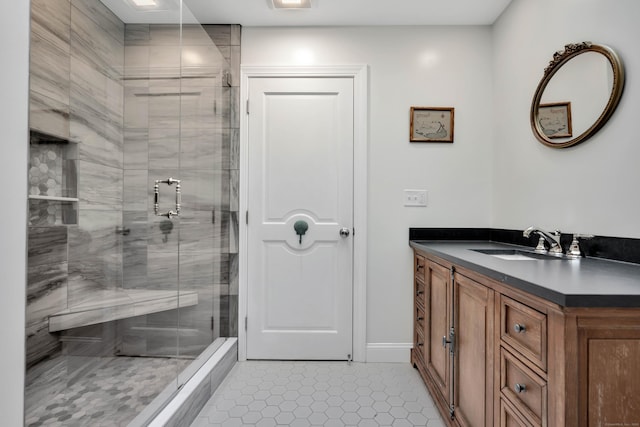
[116,304]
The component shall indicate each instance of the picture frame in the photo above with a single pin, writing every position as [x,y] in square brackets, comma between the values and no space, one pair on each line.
[431,124]
[555,119]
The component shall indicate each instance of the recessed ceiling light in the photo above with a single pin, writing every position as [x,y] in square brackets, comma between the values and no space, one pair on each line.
[145,3]
[292,4]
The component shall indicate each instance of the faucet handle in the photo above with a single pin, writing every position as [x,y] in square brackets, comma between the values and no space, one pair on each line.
[574,249]
[541,247]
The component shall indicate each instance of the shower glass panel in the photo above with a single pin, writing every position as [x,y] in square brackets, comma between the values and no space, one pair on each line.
[132,207]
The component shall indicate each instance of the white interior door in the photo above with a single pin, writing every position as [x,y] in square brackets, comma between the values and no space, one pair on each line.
[300,287]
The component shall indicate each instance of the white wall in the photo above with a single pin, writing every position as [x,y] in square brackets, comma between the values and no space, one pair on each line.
[14,87]
[589,188]
[408,66]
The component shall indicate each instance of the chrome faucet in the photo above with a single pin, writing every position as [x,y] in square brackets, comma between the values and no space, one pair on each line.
[552,238]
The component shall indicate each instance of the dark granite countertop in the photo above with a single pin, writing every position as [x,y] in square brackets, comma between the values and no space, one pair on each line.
[584,282]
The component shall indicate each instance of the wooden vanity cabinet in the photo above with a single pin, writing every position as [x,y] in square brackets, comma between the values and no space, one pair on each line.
[608,368]
[438,317]
[513,359]
[458,332]
[473,364]
[431,317]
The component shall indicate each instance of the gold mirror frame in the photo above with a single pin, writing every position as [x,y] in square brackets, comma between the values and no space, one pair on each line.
[559,59]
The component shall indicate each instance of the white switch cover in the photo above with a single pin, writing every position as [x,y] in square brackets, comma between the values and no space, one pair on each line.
[415,198]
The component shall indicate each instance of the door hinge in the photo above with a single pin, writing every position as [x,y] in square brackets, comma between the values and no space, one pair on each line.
[453,272]
[212,323]
[452,411]
[246,217]
[247,105]
[246,321]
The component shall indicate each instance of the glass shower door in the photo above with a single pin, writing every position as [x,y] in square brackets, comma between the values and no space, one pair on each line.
[179,144]
[130,186]
[204,166]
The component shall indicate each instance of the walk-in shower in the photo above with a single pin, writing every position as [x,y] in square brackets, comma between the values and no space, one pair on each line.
[132,268]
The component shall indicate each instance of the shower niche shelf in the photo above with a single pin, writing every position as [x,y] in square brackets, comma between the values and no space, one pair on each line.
[53,181]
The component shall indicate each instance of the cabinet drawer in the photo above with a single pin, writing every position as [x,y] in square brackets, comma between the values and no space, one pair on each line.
[419,267]
[509,417]
[418,331]
[418,342]
[523,388]
[524,329]
[419,293]
[419,317]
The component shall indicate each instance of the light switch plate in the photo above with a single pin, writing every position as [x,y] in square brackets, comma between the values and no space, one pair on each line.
[415,198]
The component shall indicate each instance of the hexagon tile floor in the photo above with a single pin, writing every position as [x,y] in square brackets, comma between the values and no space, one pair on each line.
[302,394]
[94,391]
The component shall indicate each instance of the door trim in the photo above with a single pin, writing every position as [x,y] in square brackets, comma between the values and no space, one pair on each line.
[359,75]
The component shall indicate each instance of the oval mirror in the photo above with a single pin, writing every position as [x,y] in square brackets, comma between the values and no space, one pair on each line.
[579,91]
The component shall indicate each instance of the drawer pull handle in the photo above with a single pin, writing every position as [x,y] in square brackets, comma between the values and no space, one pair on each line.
[420,267]
[520,388]
[420,344]
[419,292]
[519,328]
[420,319]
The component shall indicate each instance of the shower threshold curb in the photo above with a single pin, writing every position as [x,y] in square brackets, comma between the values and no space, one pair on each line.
[186,403]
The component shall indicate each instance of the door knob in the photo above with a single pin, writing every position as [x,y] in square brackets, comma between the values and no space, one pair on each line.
[344,232]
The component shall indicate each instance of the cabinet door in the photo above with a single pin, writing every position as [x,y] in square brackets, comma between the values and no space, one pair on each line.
[609,371]
[437,303]
[473,372]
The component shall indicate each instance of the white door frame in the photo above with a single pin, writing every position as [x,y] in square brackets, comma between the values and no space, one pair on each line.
[359,75]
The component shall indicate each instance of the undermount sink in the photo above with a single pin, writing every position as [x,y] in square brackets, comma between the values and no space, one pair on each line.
[517,254]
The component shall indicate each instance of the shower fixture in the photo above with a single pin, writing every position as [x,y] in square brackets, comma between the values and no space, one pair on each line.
[156,192]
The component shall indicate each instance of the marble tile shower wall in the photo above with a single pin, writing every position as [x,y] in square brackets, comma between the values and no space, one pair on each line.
[76,94]
[181,121]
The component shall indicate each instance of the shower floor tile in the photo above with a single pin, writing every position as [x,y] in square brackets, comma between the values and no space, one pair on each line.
[108,391]
[261,393]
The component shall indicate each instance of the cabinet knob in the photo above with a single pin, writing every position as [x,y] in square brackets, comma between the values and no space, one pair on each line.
[519,328]
[420,267]
[420,319]
[520,388]
[420,344]
[419,292]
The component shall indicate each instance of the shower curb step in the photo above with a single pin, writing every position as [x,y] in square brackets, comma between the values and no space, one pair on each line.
[179,408]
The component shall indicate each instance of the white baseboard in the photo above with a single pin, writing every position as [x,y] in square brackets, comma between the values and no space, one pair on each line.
[389,352]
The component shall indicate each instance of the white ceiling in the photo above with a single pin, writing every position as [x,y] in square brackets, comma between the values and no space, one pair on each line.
[323,12]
